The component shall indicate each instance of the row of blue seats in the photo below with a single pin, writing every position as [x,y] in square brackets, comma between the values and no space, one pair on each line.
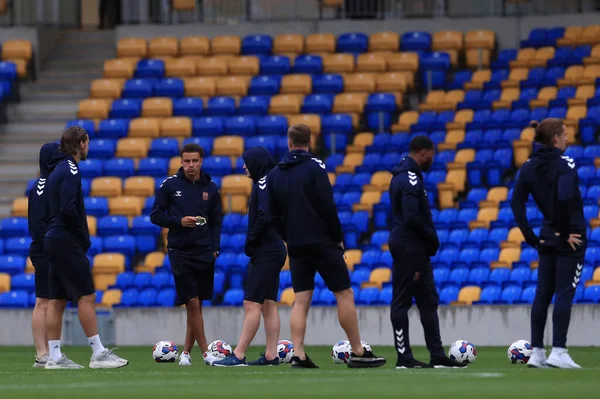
[543,37]
[563,56]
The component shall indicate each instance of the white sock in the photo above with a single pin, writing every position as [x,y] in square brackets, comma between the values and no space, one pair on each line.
[558,351]
[96,344]
[55,353]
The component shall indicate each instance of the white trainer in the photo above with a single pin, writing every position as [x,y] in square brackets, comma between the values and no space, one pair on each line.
[40,362]
[185,359]
[107,360]
[559,358]
[63,363]
[209,358]
[538,359]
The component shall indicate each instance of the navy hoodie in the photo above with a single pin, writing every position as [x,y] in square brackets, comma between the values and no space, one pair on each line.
[178,197]
[67,211]
[552,181]
[412,220]
[300,193]
[262,227]
[38,215]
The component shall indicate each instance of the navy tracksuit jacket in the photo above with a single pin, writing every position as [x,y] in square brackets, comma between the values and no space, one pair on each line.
[67,210]
[301,194]
[551,179]
[178,197]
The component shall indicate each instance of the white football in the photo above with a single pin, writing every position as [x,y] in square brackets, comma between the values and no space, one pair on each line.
[285,351]
[519,352]
[463,351]
[220,349]
[340,353]
[165,352]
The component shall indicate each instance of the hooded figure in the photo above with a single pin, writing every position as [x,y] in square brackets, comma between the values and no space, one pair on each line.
[262,228]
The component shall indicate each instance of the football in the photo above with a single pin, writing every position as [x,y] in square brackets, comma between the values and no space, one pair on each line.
[340,353]
[463,352]
[220,349]
[165,352]
[519,352]
[285,351]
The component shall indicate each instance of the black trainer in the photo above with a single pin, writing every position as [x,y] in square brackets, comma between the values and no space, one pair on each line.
[298,363]
[411,363]
[367,360]
[446,363]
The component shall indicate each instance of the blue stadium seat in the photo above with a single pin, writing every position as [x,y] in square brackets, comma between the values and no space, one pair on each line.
[368,296]
[87,124]
[119,167]
[138,88]
[225,261]
[188,106]
[150,68]
[489,295]
[275,125]
[359,276]
[17,246]
[96,206]
[126,108]
[240,126]
[275,65]
[14,299]
[254,105]
[380,238]
[163,280]
[207,126]
[155,167]
[257,45]
[147,297]
[285,279]
[220,106]
[352,43]
[415,41]
[169,87]
[124,281]
[478,276]
[327,84]
[124,244]
[113,128]
[519,276]
[459,276]
[264,85]
[141,225]
[166,297]
[326,297]
[219,283]
[233,297]
[261,141]
[459,80]
[96,246]
[449,294]
[591,294]
[14,227]
[102,149]
[230,220]
[499,276]
[320,104]
[504,57]
[112,225]
[308,64]
[23,282]
[527,295]
[8,71]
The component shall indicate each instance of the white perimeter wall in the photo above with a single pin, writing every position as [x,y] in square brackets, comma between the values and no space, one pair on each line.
[483,325]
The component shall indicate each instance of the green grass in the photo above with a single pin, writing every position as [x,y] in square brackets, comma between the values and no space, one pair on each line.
[492,376]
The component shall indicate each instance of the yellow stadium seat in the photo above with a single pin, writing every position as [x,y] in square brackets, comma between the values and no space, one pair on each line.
[236,184]
[176,127]
[384,41]
[226,45]
[17,49]
[106,187]
[246,65]
[380,181]
[92,224]
[360,142]
[288,43]
[405,121]
[180,67]
[4,282]
[507,257]
[320,43]
[379,276]
[212,66]
[103,281]
[353,257]
[506,98]
[106,263]
[313,121]
[527,134]
[594,57]
[144,127]
[461,118]
[296,84]
[453,97]
[349,103]
[403,62]
[450,42]
[288,297]
[127,206]
[338,63]
[139,186]
[157,107]
[119,68]
[132,47]
[479,44]
[21,65]
[464,156]
[228,145]
[516,76]
[194,45]
[198,87]
[94,109]
[351,161]
[154,260]
[467,295]
[433,100]
[174,165]
[371,62]
[521,150]
[453,138]
[571,36]
[233,86]
[106,88]
[234,203]
[359,83]
[515,236]
[484,217]
[478,58]
[19,207]
[572,75]
[390,82]
[29,269]
[497,194]
[589,36]
[596,276]
[367,200]
[542,56]
[544,96]
[478,79]
[163,46]
[582,94]
[590,74]
[285,104]
[574,114]
[111,298]
[133,147]
[331,177]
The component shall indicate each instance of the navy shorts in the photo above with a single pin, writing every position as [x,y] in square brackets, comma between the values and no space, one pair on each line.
[40,263]
[70,275]
[262,282]
[327,259]
[194,274]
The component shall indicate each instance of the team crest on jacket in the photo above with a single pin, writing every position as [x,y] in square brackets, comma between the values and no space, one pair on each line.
[205,196]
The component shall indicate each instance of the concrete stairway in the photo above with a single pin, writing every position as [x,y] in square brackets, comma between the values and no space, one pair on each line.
[46,105]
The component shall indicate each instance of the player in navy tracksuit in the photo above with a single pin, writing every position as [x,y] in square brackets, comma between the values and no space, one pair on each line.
[189,205]
[412,242]
[552,180]
[38,217]
[267,254]
[66,243]
[300,193]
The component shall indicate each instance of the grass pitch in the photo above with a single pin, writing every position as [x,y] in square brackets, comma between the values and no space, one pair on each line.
[492,376]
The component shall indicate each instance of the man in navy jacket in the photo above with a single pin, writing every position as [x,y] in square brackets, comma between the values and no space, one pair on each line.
[267,255]
[189,205]
[38,217]
[300,194]
[66,243]
[413,240]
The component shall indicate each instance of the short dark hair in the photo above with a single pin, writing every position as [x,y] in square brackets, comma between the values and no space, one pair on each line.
[71,140]
[420,143]
[299,135]
[547,130]
[192,147]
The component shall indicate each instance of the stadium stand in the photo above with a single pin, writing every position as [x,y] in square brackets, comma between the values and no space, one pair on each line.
[230,93]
